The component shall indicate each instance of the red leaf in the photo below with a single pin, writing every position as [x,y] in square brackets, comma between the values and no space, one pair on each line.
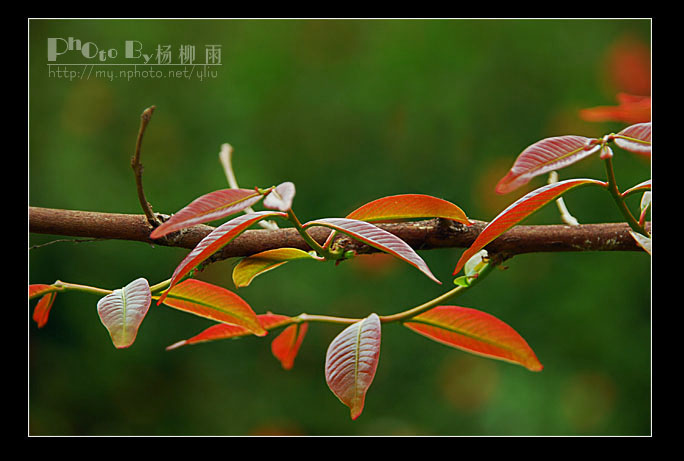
[218,238]
[286,345]
[644,186]
[209,207]
[476,332]
[42,310]
[518,211]
[215,303]
[39,289]
[635,138]
[123,310]
[628,64]
[351,362]
[227,330]
[377,238]
[250,267]
[408,206]
[546,155]
[281,197]
[631,109]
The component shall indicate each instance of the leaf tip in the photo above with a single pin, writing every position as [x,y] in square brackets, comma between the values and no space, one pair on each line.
[461,262]
[507,184]
[156,233]
[535,366]
[356,411]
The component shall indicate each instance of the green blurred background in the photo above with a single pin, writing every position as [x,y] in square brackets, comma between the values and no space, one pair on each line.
[350,111]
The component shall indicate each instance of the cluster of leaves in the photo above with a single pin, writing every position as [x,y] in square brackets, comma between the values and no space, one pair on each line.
[352,357]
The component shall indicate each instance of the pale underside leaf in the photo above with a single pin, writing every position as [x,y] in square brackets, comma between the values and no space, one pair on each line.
[123,310]
[635,138]
[210,207]
[281,197]
[546,155]
[643,186]
[351,362]
[377,238]
[642,240]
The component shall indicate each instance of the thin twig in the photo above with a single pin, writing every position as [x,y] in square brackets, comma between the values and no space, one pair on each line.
[138,168]
[226,158]
[33,247]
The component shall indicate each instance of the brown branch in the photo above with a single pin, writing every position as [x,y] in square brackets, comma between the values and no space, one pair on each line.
[421,235]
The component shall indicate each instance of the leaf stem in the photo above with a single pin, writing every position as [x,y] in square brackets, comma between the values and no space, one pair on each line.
[64,286]
[160,286]
[619,199]
[405,315]
[302,318]
[324,252]
[401,316]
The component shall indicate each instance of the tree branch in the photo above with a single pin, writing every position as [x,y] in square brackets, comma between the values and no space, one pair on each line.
[420,235]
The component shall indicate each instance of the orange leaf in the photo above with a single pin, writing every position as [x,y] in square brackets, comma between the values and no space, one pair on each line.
[39,289]
[286,345]
[227,330]
[631,109]
[42,309]
[408,206]
[476,332]
[215,303]
[518,211]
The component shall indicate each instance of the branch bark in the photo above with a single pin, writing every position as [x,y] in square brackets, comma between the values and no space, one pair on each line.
[420,235]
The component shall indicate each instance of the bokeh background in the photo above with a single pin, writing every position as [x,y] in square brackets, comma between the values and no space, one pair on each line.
[350,111]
